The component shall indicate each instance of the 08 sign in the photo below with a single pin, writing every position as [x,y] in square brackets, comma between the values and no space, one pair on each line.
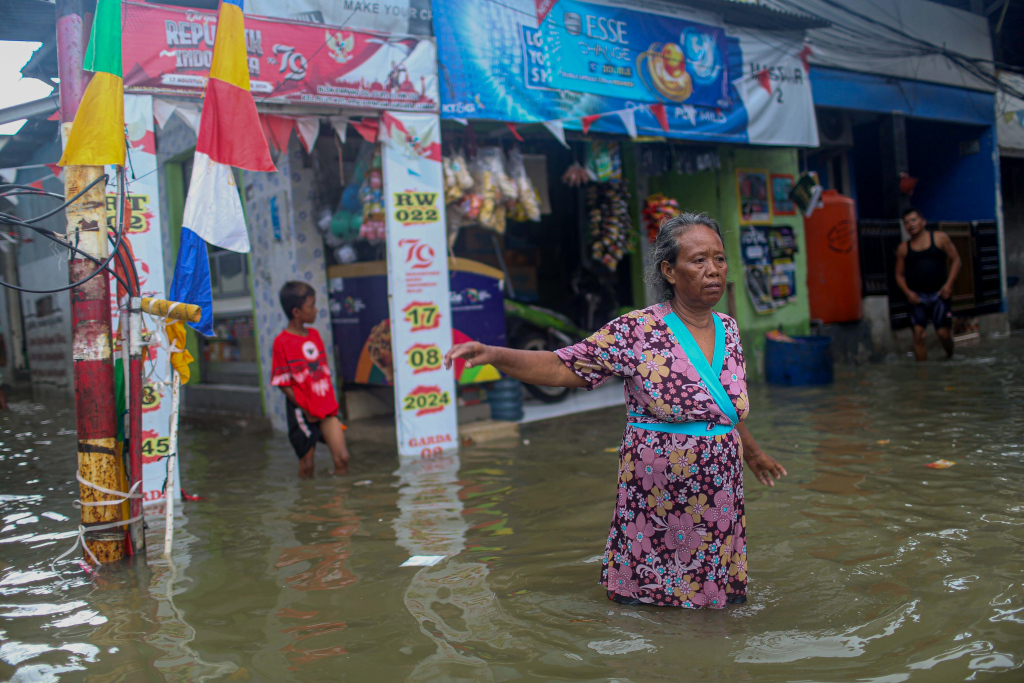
[423,358]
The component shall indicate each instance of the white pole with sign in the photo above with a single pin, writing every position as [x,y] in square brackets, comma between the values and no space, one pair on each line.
[420,310]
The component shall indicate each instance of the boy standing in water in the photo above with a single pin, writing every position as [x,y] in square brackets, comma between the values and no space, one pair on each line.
[300,369]
[922,274]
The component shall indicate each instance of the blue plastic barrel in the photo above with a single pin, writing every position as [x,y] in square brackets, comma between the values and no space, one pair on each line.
[506,399]
[802,362]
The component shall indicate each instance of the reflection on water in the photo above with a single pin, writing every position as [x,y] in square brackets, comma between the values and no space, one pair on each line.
[450,601]
[864,564]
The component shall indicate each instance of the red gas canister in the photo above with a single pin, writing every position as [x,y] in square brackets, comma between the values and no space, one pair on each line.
[833,260]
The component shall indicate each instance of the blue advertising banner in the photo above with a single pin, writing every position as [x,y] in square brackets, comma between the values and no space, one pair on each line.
[622,53]
[496,62]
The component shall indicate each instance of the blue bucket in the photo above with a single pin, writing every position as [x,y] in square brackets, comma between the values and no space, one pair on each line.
[803,362]
[506,399]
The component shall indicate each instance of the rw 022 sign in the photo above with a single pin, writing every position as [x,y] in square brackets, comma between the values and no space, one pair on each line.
[420,309]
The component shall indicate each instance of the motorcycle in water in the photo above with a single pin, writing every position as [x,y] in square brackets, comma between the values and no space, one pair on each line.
[535,328]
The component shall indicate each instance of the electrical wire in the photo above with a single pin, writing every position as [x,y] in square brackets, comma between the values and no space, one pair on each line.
[101,265]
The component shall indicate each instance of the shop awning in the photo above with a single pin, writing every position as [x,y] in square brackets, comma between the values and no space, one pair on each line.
[885,94]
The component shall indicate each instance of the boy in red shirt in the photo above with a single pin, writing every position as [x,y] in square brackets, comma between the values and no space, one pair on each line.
[300,369]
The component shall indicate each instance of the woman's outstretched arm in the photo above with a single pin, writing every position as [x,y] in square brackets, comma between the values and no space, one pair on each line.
[542,368]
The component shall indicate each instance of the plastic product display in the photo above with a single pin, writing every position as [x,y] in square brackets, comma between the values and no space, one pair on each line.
[609,226]
[657,208]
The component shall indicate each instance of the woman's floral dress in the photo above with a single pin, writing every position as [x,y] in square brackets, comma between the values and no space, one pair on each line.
[677,536]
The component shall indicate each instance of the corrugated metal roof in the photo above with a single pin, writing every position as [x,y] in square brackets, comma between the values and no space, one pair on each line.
[30,20]
[756,15]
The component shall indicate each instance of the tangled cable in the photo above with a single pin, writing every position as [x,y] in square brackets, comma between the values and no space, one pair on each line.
[119,249]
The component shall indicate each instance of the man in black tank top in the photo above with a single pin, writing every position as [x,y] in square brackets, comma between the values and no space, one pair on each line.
[926,266]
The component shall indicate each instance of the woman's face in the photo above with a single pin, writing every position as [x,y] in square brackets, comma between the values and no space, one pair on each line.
[698,275]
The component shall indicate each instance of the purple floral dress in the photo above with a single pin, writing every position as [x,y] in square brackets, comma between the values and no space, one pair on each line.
[677,536]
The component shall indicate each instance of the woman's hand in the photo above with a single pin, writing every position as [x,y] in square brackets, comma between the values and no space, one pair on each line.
[763,466]
[474,353]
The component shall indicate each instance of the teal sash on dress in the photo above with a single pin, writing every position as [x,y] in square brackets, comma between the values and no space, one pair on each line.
[711,381]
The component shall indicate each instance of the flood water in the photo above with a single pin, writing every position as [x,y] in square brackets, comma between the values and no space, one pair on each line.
[865,565]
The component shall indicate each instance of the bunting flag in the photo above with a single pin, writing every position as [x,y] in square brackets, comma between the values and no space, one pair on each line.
[514,130]
[588,121]
[628,117]
[97,134]
[658,111]
[765,79]
[230,134]
[340,125]
[558,130]
[308,129]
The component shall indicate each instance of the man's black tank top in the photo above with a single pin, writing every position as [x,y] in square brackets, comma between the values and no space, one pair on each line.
[925,270]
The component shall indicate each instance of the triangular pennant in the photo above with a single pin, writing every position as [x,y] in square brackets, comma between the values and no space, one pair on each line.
[1020,117]
[1009,116]
[659,113]
[190,114]
[278,130]
[368,128]
[163,110]
[588,121]
[57,171]
[765,79]
[558,130]
[628,117]
[464,122]
[308,128]
[515,133]
[805,56]
[340,125]
[8,174]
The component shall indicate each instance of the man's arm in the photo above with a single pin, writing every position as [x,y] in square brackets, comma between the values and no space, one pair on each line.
[901,280]
[943,241]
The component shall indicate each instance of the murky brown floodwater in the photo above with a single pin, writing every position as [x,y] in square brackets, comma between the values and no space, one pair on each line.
[865,564]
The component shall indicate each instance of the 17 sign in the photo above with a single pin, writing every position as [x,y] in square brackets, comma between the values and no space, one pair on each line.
[422,315]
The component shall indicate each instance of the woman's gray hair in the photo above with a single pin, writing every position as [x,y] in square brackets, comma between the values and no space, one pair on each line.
[666,248]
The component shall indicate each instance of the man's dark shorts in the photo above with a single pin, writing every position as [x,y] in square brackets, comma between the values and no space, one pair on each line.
[932,309]
[303,434]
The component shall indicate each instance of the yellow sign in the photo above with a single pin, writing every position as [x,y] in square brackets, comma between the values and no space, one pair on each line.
[416,208]
[423,358]
[141,215]
[426,400]
[422,316]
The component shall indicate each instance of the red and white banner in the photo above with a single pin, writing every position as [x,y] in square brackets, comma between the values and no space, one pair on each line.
[421,318]
[146,237]
[169,50]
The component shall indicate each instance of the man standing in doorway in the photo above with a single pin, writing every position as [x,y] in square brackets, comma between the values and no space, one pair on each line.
[926,266]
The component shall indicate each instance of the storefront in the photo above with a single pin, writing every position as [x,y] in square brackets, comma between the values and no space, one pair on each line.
[324,95]
[611,110]
[890,143]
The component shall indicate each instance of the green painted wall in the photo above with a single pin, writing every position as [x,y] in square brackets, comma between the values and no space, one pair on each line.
[715,193]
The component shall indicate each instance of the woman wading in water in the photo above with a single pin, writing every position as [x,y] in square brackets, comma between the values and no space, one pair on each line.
[678,534]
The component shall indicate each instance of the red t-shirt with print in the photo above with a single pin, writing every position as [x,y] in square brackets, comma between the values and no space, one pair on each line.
[301,363]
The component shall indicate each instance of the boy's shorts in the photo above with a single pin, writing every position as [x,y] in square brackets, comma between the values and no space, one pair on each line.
[303,434]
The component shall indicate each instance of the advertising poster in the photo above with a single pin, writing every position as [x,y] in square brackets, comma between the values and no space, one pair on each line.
[752,193]
[421,317]
[498,62]
[362,328]
[782,248]
[757,275]
[782,187]
[145,234]
[769,269]
[623,53]
[169,51]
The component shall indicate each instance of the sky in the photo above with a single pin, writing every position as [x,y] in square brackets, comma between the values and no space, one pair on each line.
[13,88]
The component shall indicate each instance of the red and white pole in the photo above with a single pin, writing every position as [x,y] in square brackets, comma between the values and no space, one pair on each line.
[98,461]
